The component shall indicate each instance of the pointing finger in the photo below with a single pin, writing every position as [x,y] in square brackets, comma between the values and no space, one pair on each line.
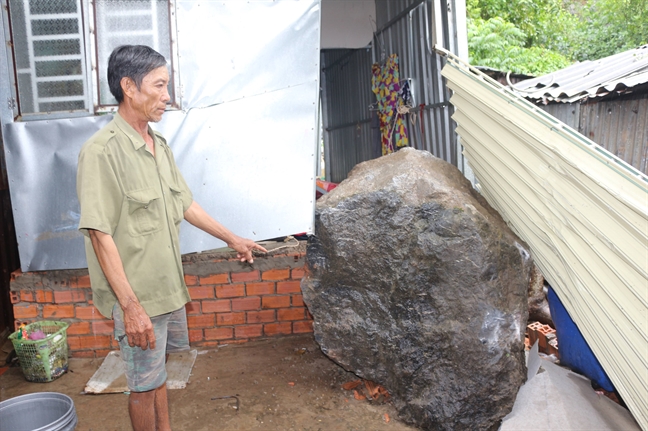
[258,247]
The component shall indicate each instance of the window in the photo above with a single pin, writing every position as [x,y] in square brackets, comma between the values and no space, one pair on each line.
[49,55]
[52,50]
[133,22]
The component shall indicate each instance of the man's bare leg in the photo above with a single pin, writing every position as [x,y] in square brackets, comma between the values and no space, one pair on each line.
[149,411]
[141,406]
[162,409]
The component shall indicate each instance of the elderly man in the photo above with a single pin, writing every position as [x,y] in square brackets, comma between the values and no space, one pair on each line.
[133,199]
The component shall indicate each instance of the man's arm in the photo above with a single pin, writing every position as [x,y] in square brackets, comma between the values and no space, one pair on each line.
[198,217]
[137,323]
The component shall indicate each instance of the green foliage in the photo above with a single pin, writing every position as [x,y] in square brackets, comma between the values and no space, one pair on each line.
[499,44]
[487,37]
[540,36]
[539,61]
[608,27]
[544,22]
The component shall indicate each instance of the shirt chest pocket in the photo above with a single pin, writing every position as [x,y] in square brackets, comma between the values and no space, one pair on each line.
[145,212]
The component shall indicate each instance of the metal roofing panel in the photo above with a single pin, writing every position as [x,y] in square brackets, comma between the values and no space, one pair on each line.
[589,78]
[627,82]
[583,212]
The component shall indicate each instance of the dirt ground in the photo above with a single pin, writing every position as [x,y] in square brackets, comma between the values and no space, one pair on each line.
[260,373]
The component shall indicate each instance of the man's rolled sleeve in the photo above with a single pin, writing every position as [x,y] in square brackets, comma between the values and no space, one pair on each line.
[185,191]
[187,196]
[98,191]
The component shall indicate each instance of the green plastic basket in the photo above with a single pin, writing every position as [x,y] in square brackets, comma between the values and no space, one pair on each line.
[43,360]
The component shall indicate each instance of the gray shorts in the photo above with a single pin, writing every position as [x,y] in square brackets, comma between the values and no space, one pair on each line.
[145,369]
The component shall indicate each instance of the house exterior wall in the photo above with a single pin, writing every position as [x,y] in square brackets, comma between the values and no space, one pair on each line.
[230,303]
[348,134]
[619,125]
[568,113]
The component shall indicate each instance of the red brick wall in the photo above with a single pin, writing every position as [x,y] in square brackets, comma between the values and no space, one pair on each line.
[231,302]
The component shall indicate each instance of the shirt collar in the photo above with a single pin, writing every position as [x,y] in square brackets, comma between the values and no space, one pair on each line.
[135,138]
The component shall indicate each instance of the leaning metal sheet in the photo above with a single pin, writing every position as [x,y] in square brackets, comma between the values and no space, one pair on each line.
[245,139]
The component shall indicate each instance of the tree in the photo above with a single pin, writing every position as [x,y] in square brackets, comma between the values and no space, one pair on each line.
[607,27]
[545,23]
[540,36]
[499,44]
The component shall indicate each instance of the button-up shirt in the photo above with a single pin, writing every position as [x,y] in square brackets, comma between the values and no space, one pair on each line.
[139,199]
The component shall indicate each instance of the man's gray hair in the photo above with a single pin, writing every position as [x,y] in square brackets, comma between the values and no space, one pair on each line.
[134,62]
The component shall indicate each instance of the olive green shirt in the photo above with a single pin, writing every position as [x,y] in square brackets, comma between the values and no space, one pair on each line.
[140,201]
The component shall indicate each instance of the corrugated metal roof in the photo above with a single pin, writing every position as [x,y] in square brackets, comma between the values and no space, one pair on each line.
[582,211]
[616,73]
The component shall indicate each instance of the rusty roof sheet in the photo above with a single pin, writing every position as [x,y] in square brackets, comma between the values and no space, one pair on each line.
[618,73]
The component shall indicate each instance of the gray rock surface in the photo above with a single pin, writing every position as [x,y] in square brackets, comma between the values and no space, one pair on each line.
[417,284]
[538,304]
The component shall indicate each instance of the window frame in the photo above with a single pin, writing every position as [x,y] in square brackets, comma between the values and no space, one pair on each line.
[175,103]
[91,80]
[11,96]
[13,72]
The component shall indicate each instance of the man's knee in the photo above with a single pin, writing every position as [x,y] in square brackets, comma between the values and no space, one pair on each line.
[145,397]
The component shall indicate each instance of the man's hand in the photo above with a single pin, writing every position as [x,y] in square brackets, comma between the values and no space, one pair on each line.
[244,247]
[137,323]
[138,326]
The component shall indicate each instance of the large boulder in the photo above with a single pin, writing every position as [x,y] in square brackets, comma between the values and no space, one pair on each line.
[417,284]
[538,304]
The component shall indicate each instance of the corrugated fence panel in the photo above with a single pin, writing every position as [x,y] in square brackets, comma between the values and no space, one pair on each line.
[346,83]
[404,27]
[410,36]
[621,127]
[567,113]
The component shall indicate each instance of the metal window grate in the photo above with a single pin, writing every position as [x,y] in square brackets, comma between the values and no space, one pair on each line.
[132,22]
[49,55]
